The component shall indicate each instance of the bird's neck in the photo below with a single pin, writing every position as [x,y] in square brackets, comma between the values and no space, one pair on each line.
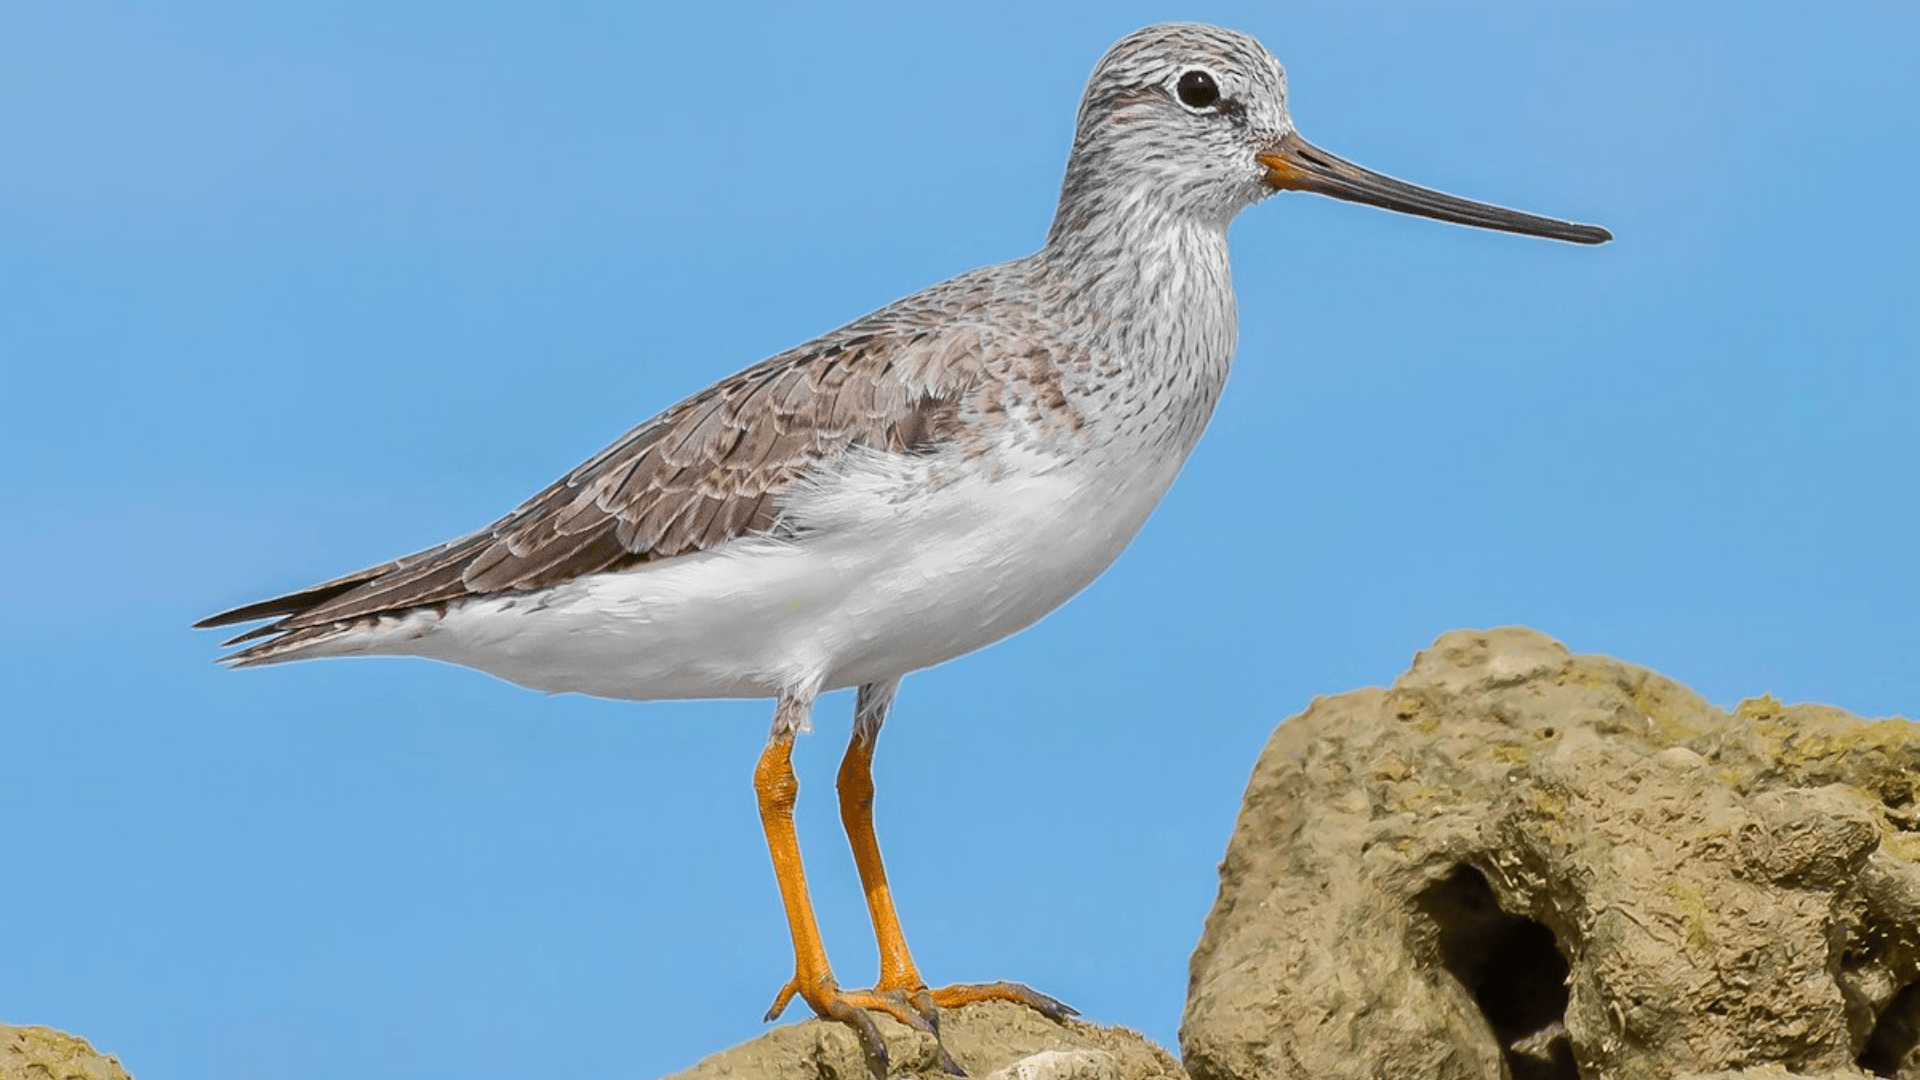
[1119,232]
[1150,290]
[1130,258]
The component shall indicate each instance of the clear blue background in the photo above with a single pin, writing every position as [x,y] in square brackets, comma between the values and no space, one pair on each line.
[287,290]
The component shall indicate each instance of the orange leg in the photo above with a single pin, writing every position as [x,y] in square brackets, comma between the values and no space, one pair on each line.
[897,971]
[777,788]
[900,992]
[900,984]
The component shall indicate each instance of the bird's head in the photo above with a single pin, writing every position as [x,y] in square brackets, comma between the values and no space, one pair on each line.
[1193,119]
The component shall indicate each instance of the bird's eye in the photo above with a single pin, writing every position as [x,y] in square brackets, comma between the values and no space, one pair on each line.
[1197,90]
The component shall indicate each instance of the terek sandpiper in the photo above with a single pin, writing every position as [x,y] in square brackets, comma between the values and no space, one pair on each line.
[917,484]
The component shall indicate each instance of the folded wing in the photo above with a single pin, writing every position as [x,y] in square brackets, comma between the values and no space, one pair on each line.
[704,472]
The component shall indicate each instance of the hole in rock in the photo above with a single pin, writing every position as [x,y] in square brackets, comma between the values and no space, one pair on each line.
[1513,969]
[1896,1031]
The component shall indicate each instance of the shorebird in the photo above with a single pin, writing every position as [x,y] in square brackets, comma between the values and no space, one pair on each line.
[903,490]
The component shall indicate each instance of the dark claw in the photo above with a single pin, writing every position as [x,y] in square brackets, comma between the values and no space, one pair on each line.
[1050,1007]
[922,1004]
[871,1043]
[914,1016]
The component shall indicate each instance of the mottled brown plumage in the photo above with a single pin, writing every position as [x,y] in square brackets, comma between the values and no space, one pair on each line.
[903,380]
[706,470]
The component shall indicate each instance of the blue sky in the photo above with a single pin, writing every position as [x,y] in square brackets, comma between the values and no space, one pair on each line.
[286,290]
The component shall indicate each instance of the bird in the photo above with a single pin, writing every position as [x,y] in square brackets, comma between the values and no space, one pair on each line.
[915,485]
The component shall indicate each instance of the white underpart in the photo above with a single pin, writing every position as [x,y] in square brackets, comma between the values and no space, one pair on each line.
[890,575]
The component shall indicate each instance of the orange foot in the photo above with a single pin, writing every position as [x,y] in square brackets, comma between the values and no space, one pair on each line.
[918,1008]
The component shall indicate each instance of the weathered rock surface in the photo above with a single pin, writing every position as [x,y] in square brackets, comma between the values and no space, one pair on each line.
[1519,862]
[994,1040]
[37,1053]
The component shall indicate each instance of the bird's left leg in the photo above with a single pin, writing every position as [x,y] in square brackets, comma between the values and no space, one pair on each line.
[900,987]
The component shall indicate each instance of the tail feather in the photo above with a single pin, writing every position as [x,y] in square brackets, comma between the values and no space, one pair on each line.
[281,645]
[293,603]
[287,637]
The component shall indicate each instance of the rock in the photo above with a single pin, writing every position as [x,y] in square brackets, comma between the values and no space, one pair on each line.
[994,1039]
[37,1053]
[1516,862]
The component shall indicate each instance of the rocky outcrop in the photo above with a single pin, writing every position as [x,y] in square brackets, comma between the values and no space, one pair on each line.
[993,1039]
[37,1053]
[1519,862]
[1512,864]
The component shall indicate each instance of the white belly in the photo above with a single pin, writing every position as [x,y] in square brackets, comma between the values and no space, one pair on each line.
[875,588]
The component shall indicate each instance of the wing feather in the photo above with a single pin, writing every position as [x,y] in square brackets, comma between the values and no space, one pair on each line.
[706,471]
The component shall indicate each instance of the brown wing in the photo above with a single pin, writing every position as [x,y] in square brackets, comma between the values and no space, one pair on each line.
[705,471]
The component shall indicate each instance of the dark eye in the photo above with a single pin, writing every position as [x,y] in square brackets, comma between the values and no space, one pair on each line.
[1197,90]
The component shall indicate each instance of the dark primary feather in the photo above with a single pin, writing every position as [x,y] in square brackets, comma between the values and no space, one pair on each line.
[292,602]
[705,471]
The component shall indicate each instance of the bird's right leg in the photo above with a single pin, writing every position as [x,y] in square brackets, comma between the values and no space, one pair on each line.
[900,991]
